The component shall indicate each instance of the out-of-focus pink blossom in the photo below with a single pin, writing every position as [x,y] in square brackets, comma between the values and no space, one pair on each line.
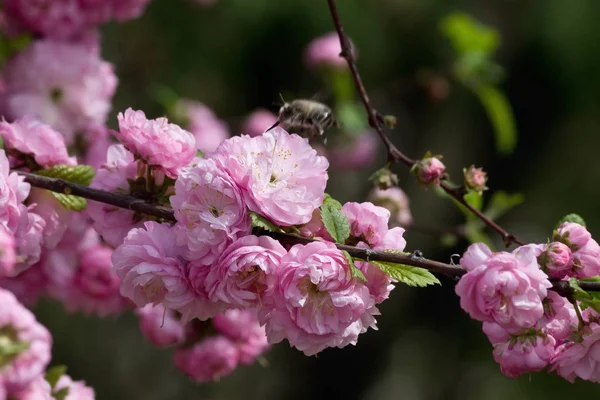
[557,260]
[113,223]
[151,268]
[78,390]
[27,286]
[208,130]
[156,141]
[324,51]
[243,328]
[65,85]
[368,222]
[7,252]
[318,304]
[55,215]
[96,140]
[19,327]
[12,192]
[38,389]
[160,326]
[124,10]
[355,153]
[475,179]
[281,176]
[259,121]
[30,137]
[395,201]
[245,273]
[580,359]
[429,170]
[29,240]
[502,287]
[586,251]
[207,360]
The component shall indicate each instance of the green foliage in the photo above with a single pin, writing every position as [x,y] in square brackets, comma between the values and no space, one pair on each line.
[258,221]
[501,203]
[576,218]
[356,273]
[501,116]
[335,222]
[468,35]
[54,373]
[407,274]
[590,299]
[331,201]
[80,174]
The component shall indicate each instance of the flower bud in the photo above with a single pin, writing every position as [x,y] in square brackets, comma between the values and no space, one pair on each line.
[475,179]
[384,178]
[429,170]
[557,260]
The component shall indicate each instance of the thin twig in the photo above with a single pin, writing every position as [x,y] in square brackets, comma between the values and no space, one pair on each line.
[132,203]
[394,154]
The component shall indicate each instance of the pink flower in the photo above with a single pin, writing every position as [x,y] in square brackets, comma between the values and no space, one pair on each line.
[502,287]
[368,222]
[160,326]
[259,121]
[151,268]
[78,390]
[29,240]
[128,9]
[209,210]
[96,143]
[55,215]
[7,252]
[201,121]
[95,286]
[38,389]
[429,170]
[201,307]
[156,141]
[525,353]
[475,179]
[29,137]
[355,153]
[12,192]
[560,319]
[27,286]
[28,340]
[281,176]
[396,202]
[208,360]
[324,51]
[580,359]
[315,228]
[586,251]
[245,273]
[557,260]
[573,235]
[65,85]
[318,304]
[113,223]
[243,328]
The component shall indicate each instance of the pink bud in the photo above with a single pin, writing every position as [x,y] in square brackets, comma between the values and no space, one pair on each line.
[573,235]
[429,170]
[475,179]
[257,122]
[557,260]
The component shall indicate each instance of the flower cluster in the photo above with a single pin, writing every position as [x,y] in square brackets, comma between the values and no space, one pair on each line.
[531,327]
[24,355]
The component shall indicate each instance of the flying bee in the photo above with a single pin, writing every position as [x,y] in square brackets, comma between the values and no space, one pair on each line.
[308,118]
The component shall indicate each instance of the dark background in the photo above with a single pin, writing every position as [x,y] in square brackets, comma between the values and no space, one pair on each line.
[240,54]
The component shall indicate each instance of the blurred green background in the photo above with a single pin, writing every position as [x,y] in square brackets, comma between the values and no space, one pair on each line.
[238,55]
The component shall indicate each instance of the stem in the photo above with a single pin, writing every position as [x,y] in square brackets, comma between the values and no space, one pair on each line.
[577,311]
[394,154]
[132,203]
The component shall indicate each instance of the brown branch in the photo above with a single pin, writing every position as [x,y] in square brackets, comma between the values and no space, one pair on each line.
[375,121]
[132,203]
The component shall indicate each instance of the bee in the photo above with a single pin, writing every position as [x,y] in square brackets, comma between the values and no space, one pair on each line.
[308,118]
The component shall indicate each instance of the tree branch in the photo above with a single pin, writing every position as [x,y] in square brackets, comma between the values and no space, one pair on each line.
[132,203]
[394,154]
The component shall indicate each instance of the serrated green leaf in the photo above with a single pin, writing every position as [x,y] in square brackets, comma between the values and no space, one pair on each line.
[258,221]
[80,174]
[356,273]
[331,201]
[576,218]
[61,394]
[70,202]
[590,299]
[501,116]
[335,222]
[407,274]
[54,373]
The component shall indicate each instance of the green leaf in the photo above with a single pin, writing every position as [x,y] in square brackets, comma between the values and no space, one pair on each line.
[407,274]
[54,373]
[61,394]
[258,221]
[502,202]
[342,85]
[590,299]
[335,222]
[80,174]
[356,273]
[576,218]
[467,35]
[199,154]
[166,97]
[331,201]
[501,116]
